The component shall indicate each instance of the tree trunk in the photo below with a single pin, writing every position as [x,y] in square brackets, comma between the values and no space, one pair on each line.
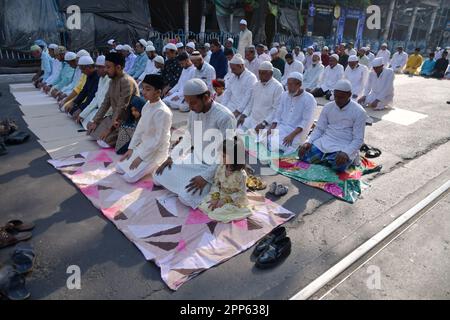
[258,25]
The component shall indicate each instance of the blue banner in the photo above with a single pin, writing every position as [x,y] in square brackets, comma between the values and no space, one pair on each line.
[360,31]
[341,26]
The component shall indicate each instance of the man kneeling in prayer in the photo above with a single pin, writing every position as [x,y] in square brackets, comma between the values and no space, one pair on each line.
[150,144]
[339,133]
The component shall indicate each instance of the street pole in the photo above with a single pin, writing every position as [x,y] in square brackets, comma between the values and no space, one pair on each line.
[389,20]
[412,24]
[433,21]
[203,22]
[186,18]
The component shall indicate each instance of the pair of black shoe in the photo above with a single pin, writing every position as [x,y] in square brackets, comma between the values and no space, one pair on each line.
[272,249]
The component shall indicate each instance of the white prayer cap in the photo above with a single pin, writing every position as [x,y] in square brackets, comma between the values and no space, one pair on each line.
[150,48]
[127,47]
[195,87]
[207,45]
[69,56]
[100,61]
[111,42]
[237,59]
[326,48]
[243,21]
[85,61]
[384,45]
[266,66]
[317,53]
[191,45]
[231,40]
[296,75]
[119,47]
[311,47]
[35,47]
[143,42]
[364,48]
[273,51]
[149,43]
[159,59]
[82,53]
[353,59]
[377,62]
[180,45]
[275,44]
[53,46]
[335,56]
[171,46]
[343,85]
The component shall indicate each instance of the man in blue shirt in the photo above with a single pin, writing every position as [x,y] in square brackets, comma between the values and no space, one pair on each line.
[141,60]
[46,65]
[218,59]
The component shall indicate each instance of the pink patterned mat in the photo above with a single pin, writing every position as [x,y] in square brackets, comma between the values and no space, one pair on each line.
[181,241]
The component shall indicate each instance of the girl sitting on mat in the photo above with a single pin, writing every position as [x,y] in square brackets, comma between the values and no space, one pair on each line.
[128,128]
[227,200]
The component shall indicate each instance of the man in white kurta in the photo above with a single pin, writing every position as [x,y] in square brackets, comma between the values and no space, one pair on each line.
[314,74]
[294,117]
[264,101]
[291,66]
[379,91]
[299,55]
[239,88]
[175,97]
[88,114]
[385,54]
[399,60]
[332,74]
[252,63]
[188,173]
[56,64]
[357,74]
[245,38]
[203,70]
[150,67]
[150,144]
[339,134]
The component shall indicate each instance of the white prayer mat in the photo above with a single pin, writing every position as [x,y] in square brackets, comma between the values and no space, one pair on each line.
[397,116]
[59,133]
[65,148]
[21,87]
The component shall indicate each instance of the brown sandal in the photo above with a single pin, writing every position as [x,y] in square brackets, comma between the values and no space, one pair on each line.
[7,239]
[18,226]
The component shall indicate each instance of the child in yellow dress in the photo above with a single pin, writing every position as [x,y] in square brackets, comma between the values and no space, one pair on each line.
[227,200]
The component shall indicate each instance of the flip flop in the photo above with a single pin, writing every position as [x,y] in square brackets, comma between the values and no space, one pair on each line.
[18,226]
[23,258]
[373,153]
[254,183]
[7,239]
[12,284]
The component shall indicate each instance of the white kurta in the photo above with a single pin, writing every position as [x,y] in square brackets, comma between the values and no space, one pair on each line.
[340,130]
[294,112]
[245,41]
[371,56]
[178,91]
[380,88]
[149,69]
[207,73]
[263,104]
[386,55]
[399,61]
[308,61]
[88,114]
[238,91]
[312,76]
[150,142]
[56,70]
[264,57]
[358,78]
[300,57]
[295,66]
[176,179]
[253,66]
[330,77]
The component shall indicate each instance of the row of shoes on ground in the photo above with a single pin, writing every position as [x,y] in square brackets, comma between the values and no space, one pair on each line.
[272,249]
[278,190]
[15,231]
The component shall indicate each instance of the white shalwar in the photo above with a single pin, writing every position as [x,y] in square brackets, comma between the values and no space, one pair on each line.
[179,176]
[263,104]
[239,91]
[330,77]
[177,91]
[88,114]
[150,142]
[380,88]
[358,78]
[312,76]
[399,61]
[294,112]
[295,66]
[386,55]
[340,130]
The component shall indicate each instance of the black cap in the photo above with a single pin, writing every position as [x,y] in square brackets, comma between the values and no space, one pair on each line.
[155,80]
[116,58]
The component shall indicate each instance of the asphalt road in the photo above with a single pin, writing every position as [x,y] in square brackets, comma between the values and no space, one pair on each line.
[70,231]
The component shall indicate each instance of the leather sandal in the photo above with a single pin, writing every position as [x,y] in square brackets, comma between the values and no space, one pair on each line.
[274,254]
[7,239]
[18,226]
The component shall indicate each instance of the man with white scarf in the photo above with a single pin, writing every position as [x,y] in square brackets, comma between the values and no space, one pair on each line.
[357,74]
[312,75]
[332,74]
